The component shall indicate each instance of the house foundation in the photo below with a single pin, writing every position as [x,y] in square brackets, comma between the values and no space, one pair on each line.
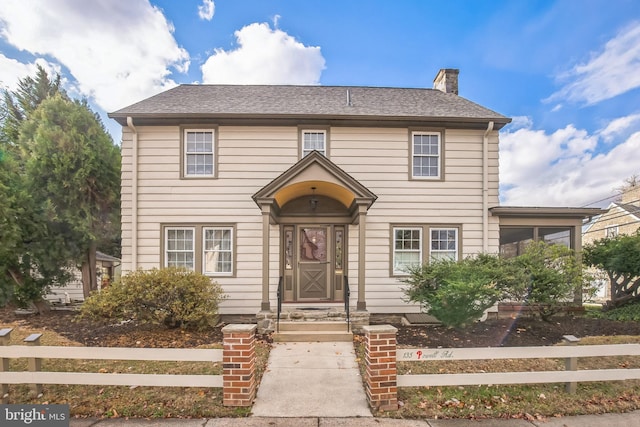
[267,320]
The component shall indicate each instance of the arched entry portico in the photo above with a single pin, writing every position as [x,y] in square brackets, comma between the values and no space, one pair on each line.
[315,204]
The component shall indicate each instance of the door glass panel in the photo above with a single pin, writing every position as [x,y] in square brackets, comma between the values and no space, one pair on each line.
[339,249]
[313,244]
[288,251]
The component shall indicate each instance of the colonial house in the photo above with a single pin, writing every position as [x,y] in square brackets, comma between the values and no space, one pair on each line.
[316,190]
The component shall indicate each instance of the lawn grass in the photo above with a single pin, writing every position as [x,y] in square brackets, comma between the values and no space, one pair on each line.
[503,401]
[120,401]
[532,401]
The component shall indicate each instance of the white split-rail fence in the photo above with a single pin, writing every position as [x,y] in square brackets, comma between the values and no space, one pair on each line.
[35,376]
[570,353]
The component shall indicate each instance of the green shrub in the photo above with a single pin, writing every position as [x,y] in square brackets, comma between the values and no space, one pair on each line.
[172,297]
[458,292]
[626,313]
[554,277]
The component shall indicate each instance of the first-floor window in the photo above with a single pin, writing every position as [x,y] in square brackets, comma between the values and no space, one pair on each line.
[206,248]
[416,244]
[407,249]
[218,250]
[444,244]
[180,248]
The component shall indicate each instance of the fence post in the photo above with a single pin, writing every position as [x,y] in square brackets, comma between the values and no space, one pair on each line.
[381,374]
[34,363]
[239,365]
[5,338]
[571,363]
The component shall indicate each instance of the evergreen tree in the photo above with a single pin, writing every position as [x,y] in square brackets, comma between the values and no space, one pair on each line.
[73,172]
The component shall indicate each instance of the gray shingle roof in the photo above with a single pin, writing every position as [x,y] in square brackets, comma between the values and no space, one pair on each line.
[632,209]
[331,102]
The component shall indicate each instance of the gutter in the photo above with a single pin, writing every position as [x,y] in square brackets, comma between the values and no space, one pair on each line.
[134,194]
[485,188]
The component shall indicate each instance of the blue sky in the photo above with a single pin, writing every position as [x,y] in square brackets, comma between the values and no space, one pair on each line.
[566,71]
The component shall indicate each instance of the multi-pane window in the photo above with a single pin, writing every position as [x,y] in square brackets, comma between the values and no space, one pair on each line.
[206,248]
[417,244]
[425,147]
[407,249]
[218,250]
[314,140]
[180,248]
[198,153]
[611,232]
[444,244]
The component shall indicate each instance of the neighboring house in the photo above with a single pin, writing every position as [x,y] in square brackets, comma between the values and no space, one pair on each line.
[315,186]
[108,270]
[621,217]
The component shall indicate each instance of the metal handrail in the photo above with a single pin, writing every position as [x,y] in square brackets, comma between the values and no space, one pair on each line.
[279,294]
[347,294]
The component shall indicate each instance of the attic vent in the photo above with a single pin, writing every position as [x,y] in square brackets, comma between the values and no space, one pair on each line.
[349,104]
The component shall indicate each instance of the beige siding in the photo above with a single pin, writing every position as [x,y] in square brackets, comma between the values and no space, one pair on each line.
[249,158]
[379,159]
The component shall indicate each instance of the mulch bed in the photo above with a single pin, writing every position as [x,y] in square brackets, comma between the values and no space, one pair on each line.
[492,333]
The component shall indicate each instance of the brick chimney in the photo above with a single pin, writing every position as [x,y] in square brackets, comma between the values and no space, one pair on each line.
[447,80]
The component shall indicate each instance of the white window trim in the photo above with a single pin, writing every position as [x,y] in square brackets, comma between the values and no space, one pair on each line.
[614,229]
[204,252]
[166,244]
[303,152]
[185,154]
[396,251]
[439,156]
[456,239]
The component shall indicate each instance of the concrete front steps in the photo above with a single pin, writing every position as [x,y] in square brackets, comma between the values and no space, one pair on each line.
[317,331]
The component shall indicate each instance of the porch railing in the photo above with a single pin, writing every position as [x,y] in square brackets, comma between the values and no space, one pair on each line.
[279,295]
[347,294]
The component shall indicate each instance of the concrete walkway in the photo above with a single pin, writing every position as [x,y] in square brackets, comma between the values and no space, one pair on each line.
[312,380]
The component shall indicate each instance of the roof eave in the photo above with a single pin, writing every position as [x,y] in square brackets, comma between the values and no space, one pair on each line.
[334,119]
[547,212]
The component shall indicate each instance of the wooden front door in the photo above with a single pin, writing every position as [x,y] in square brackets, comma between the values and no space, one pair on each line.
[314,265]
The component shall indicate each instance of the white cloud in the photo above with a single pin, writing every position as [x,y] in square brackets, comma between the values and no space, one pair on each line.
[619,126]
[11,71]
[264,56]
[118,52]
[609,73]
[519,122]
[562,168]
[206,10]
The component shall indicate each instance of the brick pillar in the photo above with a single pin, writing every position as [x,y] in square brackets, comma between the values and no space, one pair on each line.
[239,365]
[381,373]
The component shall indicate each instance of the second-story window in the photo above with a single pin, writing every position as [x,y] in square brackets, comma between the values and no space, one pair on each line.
[426,155]
[314,140]
[198,153]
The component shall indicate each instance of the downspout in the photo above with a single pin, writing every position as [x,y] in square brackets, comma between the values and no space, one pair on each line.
[134,194]
[485,188]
